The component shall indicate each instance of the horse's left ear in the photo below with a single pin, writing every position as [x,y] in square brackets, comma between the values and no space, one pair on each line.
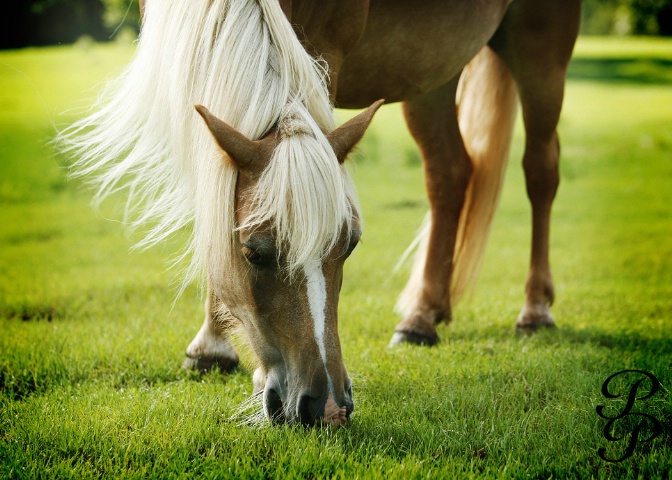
[345,137]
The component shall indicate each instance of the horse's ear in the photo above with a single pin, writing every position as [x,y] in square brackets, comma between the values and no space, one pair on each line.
[345,137]
[243,151]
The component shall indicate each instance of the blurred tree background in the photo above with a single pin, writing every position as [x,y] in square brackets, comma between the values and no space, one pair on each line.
[49,22]
[53,22]
[626,17]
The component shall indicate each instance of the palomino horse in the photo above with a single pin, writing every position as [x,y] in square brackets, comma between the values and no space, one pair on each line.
[273,210]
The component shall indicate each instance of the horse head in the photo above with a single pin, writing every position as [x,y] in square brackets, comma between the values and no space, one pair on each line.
[284,275]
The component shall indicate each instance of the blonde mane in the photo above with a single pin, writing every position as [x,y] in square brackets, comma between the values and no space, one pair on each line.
[242,60]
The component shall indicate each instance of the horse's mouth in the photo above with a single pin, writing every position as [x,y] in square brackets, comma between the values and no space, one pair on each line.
[333,414]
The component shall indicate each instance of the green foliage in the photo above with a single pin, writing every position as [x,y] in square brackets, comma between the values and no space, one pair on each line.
[598,17]
[121,13]
[49,22]
[639,17]
[92,337]
[42,6]
[645,15]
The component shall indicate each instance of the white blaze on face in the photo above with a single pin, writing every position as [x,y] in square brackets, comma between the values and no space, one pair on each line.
[316,287]
[317,300]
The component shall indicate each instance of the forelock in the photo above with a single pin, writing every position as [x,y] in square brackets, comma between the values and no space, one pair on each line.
[304,193]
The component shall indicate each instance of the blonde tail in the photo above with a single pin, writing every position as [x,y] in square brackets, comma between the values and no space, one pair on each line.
[487,106]
[487,102]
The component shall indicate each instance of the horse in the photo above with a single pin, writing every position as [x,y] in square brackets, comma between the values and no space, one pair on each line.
[224,121]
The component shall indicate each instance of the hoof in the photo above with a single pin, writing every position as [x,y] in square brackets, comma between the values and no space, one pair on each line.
[414,338]
[532,319]
[205,364]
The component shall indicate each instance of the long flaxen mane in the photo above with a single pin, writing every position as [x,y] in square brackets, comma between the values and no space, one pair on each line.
[242,60]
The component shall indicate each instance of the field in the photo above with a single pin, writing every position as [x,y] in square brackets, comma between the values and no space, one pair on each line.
[92,336]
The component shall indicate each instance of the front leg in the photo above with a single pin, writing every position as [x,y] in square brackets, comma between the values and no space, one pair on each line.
[211,347]
[541,168]
[432,120]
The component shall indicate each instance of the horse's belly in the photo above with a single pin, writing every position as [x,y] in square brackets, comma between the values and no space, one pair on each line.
[409,49]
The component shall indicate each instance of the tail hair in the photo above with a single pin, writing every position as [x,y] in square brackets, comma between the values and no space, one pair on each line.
[487,107]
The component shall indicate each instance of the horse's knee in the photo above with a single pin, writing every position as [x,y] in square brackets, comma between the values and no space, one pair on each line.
[461,170]
[210,350]
[541,166]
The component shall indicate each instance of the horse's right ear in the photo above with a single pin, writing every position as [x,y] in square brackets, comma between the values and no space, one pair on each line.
[244,152]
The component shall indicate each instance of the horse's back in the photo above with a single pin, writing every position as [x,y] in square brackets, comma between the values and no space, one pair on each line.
[398,49]
[409,48]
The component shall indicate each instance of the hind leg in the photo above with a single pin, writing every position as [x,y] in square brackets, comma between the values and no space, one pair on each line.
[211,348]
[432,120]
[536,41]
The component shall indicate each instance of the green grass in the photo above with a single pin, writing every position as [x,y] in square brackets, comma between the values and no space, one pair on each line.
[91,343]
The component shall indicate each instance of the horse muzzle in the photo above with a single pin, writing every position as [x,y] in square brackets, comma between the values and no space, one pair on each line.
[315,406]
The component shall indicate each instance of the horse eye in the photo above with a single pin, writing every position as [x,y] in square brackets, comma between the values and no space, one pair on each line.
[252,256]
[351,247]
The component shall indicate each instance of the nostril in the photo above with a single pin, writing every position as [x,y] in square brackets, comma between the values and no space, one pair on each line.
[310,409]
[349,406]
[349,401]
[273,405]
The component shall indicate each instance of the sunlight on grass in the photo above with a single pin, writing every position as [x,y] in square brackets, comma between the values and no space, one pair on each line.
[93,338]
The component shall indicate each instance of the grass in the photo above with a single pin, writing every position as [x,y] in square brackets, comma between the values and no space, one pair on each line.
[91,344]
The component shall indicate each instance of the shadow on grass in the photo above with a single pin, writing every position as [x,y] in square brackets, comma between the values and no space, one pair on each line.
[635,344]
[624,341]
[641,71]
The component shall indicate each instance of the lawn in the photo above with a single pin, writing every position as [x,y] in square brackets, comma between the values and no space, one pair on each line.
[93,338]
